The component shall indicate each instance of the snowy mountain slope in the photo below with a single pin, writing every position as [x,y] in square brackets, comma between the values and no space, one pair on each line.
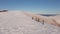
[19,23]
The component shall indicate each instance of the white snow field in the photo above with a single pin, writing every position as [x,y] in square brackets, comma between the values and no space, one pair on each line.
[19,23]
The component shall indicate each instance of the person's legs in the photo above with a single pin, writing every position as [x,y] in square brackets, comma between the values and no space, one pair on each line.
[43,22]
[32,18]
[38,20]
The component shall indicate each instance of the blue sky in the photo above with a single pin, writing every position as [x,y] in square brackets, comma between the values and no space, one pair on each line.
[35,6]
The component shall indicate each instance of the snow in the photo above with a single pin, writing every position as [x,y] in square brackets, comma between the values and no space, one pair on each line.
[56,18]
[19,23]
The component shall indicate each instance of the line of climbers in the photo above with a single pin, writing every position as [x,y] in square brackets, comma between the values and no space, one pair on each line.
[53,22]
[38,20]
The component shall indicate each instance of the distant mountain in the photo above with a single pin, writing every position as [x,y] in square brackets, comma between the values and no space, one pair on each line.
[48,14]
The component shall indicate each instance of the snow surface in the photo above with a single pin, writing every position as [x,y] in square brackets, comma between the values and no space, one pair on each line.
[19,23]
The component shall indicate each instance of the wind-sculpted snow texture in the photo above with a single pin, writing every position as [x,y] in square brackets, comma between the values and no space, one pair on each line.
[19,23]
